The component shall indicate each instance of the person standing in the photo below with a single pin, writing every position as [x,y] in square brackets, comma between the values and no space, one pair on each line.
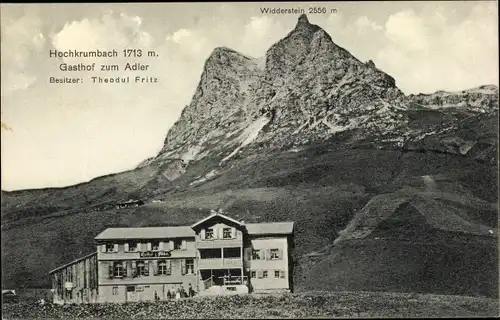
[191,291]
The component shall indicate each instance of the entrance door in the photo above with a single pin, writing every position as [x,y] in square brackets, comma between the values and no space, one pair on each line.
[131,293]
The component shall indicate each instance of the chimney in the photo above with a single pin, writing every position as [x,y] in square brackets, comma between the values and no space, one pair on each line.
[242,222]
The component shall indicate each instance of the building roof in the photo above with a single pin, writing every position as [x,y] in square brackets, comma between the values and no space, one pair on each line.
[216,215]
[270,228]
[146,233]
[73,262]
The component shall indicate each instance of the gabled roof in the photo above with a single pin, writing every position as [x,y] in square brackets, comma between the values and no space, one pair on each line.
[146,233]
[216,215]
[73,262]
[269,228]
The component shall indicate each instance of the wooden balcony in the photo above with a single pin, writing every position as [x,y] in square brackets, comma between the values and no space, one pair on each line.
[219,263]
[218,243]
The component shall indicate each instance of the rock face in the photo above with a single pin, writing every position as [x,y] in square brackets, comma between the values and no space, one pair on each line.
[483,99]
[219,106]
[309,90]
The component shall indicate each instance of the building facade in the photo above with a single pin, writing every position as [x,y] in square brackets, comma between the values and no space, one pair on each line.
[216,255]
[76,282]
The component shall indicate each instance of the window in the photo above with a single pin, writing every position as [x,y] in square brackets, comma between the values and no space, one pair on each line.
[110,247]
[164,267]
[226,233]
[115,291]
[155,245]
[190,266]
[264,274]
[276,273]
[232,253]
[209,233]
[118,269]
[130,288]
[141,269]
[256,255]
[275,254]
[132,247]
[210,253]
[177,244]
[253,274]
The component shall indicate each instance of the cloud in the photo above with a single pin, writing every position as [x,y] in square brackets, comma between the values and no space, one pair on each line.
[364,24]
[189,43]
[259,33]
[21,40]
[407,30]
[108,32]
[427,51]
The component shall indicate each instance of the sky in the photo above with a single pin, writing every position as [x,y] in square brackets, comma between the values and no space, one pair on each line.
[54,134]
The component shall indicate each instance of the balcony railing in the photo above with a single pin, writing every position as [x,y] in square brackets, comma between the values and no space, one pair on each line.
[218,243]
[219,263]
[232,280]
[208,283]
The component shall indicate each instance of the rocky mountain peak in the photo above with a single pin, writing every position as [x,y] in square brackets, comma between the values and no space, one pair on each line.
[303,19]
[309,89]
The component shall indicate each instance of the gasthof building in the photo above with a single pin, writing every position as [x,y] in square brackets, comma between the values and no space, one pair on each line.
[216,255]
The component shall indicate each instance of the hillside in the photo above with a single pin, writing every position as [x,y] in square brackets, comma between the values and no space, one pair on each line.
[389,192]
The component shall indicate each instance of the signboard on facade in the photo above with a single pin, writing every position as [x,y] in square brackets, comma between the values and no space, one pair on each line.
[155,254]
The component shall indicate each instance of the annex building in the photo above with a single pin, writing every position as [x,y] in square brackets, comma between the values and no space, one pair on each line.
[216,255]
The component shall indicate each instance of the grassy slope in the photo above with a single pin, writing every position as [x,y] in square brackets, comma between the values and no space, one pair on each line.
[26,204]
[310,305]
[321,189]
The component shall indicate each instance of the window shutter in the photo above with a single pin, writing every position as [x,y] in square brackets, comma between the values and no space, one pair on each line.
[134,269]
[126,247]
[171,245]
[129,269]
[139,246]
[262,254]
[184,245]
[125,264]
[183,267]
[162,245]
[115,247]
[146,268]
[268,254]
[282,274]
[111,271]
[233,233]
[103,248]
[155,267]
[202,234]
[280,254]
[149,246]
[169,267]
[260,274]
